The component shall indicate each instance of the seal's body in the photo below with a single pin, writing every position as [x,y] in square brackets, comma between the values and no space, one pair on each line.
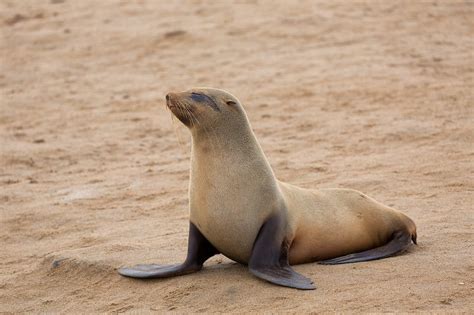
[238,207]
[335,222]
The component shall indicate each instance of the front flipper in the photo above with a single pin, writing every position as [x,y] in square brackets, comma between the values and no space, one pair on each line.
[269,259]
[156,271]
[199,250]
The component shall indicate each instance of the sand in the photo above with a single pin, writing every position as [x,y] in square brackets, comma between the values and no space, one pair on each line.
[374,96]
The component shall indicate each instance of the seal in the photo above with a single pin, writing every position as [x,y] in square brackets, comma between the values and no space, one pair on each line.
[239,209]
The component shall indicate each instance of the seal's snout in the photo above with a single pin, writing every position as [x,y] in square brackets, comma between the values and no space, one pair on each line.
[170,97]
[181,111]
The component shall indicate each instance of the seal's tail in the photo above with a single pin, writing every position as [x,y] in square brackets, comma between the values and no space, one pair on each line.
[399,242]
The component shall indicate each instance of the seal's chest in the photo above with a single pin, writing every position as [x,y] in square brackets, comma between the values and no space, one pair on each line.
[232,233]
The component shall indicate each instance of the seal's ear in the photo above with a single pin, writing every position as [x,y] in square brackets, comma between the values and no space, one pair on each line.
[231,103]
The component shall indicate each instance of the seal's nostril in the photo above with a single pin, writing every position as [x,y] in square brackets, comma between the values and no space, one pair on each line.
[167,97]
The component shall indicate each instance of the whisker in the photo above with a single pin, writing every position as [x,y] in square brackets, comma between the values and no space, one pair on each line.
[176,130]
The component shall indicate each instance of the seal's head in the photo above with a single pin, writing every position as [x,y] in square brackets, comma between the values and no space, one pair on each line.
[206,109]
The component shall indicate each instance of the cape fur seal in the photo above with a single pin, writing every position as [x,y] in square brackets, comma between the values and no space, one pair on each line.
[238,207]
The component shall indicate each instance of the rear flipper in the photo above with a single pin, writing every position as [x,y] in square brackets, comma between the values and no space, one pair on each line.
[400,242]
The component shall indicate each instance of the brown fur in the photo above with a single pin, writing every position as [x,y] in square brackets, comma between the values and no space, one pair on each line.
[233,191]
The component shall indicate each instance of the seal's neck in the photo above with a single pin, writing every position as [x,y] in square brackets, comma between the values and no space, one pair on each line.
[229,148]
[229,153]
[229,175]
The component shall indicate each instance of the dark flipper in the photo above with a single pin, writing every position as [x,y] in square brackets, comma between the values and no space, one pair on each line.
[199,250]
[269,259]
[400,242]
[156,271]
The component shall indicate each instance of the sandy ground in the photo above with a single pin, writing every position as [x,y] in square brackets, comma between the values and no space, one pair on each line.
[93,173]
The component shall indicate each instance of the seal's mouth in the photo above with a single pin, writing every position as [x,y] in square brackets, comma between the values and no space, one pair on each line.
[173,104]
[169,101]
[181,112]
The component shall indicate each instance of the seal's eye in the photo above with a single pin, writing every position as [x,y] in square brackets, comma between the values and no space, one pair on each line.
[205,100]
[198,97]
[231,103]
